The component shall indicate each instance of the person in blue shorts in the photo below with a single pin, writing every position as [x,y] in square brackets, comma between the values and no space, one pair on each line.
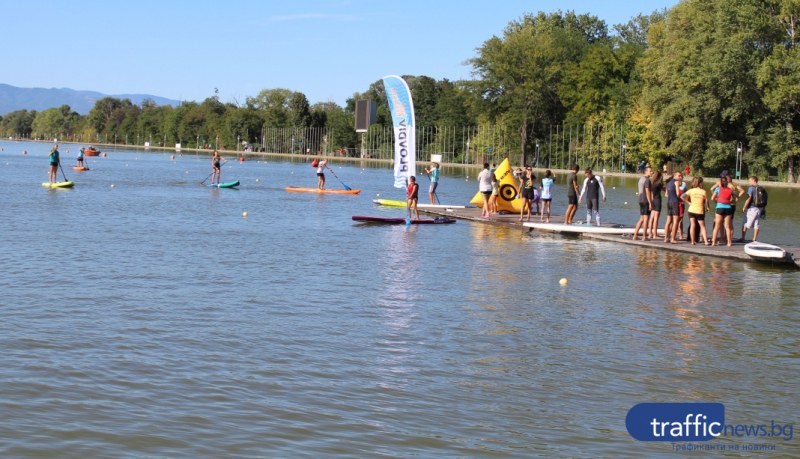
[433,174]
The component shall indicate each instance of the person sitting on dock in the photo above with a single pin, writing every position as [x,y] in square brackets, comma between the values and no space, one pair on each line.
[592,188]
[645,204]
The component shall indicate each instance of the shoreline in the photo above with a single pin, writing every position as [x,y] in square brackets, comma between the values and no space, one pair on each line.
[477,167]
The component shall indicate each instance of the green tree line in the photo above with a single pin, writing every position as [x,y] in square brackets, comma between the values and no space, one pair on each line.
[711,83]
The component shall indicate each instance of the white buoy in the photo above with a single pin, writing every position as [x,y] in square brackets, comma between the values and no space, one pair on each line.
[245,214]
[563,281]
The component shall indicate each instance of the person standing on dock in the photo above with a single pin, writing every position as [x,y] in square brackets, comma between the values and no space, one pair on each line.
[592,188]
[527,189]
[572,194]
[55,160]
[433,174]
[645,204]
[485,187]
[697,199]
[754,208]
[656,189]
[673,207]
[547,195]
[724,195]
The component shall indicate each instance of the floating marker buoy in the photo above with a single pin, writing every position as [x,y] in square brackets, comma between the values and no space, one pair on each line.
[563,281]
[244,214]
[112,185]
[258,180]
[377,194]
[626,203]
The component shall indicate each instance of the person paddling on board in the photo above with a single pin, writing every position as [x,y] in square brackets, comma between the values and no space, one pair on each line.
[79,160]
[54,162]
[215,169]
[433,174]
[412,196]
[321,174]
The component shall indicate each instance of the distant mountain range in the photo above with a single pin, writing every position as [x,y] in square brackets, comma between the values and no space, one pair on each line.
[13,98]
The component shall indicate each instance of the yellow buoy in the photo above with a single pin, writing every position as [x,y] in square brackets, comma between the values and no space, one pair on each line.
[563,281]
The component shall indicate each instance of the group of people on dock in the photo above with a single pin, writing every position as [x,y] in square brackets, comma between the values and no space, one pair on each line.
[681,198]
[725,193]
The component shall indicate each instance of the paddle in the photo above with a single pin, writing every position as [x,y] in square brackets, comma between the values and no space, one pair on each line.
[337,178]
[62,170]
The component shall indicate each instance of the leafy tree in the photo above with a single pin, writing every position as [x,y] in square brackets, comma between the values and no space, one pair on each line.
[521,72]
[18,123]
[56,122]
[779,78]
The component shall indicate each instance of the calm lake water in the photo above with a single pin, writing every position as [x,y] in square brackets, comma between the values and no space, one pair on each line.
[151,319]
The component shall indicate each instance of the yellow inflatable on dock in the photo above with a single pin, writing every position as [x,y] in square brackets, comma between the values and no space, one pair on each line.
[508,199]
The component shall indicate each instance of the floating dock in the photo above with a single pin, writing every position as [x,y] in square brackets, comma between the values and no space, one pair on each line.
[736,251]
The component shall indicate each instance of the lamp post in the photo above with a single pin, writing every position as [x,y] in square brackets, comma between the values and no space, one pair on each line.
[622,158]
[537,155]
[739,155]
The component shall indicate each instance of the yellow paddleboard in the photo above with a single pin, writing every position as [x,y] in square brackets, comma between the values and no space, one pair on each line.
[67,184]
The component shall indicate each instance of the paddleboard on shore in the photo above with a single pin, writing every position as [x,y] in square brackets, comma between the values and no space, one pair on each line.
[225,184]
[67,184]
[398,203]
[297,189]
[402,221]
[765,252]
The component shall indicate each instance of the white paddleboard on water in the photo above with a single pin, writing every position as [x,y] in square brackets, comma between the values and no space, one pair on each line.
[762,251]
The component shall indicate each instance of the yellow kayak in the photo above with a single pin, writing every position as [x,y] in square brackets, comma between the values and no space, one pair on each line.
[67,184]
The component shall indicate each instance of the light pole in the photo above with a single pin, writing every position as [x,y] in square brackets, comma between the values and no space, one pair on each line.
[537,155]
[739,155]
[622,159]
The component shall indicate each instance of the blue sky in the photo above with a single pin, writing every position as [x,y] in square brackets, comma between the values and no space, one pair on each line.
[325,49]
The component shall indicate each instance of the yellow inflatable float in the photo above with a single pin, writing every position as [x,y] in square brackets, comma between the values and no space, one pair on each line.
[508,199]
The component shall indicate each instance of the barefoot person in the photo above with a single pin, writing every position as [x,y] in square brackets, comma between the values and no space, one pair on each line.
[697,199]
[656,190]
[485,187]
[673,207]
[527,191]
[724,195]
[495,194]
[547,195]
[321,174]
[572,194]
[754,208]
[55,160]
[645,204]
[433,174]
[412,197]
[215,167]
